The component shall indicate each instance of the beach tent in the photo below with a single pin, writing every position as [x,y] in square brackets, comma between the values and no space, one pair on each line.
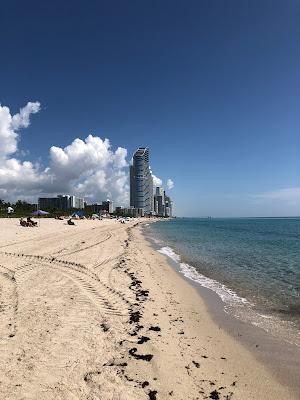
[39,213]
[10,210]
[78,214]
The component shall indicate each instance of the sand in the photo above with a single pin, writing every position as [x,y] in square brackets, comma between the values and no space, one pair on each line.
[92,311]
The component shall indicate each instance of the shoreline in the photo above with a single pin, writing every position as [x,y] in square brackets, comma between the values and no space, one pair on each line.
[242,302]
[93,311]
[282,358]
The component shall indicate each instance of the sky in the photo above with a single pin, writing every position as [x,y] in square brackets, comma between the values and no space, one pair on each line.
[211,87]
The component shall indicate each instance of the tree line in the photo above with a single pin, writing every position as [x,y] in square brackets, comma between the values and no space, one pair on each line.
[20,207]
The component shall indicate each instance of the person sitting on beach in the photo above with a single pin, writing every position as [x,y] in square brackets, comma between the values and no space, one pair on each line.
[22,222]
[30,222]
[70,222]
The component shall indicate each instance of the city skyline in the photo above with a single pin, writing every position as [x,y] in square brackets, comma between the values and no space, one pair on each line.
[211,88]
[146,199]
[146,193]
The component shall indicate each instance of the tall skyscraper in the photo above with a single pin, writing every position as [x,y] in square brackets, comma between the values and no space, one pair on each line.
[159,200]
[141,181]
[163,205]
[168,206]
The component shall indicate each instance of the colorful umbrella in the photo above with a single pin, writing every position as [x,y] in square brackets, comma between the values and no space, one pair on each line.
[40,212]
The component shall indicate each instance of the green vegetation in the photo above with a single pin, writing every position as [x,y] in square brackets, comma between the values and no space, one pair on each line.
[24,209]
[21,208]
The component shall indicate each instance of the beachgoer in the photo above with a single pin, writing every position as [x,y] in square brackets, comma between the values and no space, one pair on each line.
[30,222]
[23,223]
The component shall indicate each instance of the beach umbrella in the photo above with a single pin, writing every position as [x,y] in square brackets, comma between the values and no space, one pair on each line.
[39,213]
[10,210]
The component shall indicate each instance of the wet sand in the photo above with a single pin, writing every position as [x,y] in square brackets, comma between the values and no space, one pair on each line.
[278,354]
[94,312]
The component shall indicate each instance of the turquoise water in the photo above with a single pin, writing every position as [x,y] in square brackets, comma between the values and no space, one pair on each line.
[252,264]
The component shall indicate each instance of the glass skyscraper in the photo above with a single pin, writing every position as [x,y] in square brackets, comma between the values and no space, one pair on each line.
[141,181]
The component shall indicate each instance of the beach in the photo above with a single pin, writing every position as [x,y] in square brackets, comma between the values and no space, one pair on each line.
[93,311]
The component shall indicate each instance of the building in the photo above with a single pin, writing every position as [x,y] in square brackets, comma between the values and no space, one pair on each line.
[93,208]
[76,202]
[141,182]
[130,212]
[159,201]
[108,206]
[168,207]
[61,202]
[119,210]
[163,205]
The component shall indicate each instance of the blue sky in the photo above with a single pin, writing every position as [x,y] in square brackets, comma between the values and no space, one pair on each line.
[213,88]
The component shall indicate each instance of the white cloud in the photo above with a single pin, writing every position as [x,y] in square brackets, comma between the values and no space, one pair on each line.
[89,167]
[10,124]
[170,184]
[16,177]
[156,181]
[21,120]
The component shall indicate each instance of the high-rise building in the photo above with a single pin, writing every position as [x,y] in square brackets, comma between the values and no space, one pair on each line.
[141,181]
[163,205]
[76,202]
[159,201]
[168,207]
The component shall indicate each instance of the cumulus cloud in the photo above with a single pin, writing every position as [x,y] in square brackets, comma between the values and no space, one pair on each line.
[170,184]
[16,177]
[88,168]
[9,126]
[156,181]
[22,119]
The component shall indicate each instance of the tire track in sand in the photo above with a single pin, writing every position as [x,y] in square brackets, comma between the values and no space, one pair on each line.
[103,296]
[9,303]
[70,253]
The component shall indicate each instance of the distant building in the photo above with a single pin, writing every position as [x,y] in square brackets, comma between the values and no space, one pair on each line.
[130,212]
[168,207]
[94,208]
[159,201]
[61,202]
[163,205]
[119,210]
[108,206]
[141,182]
[142,196]
[76,202]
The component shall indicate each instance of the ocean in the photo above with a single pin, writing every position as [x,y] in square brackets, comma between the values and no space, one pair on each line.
[252,264]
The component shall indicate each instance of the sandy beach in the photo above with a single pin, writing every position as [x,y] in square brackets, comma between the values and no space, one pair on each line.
[92,311]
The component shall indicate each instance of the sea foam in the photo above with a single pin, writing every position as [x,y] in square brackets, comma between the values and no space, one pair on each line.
[228,296]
